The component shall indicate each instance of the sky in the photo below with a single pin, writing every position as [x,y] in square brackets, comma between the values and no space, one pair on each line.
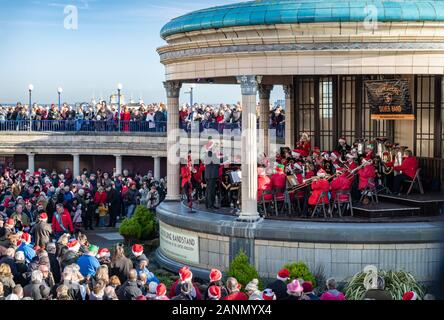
[115,42]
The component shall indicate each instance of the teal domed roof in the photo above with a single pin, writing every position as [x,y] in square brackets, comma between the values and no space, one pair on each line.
[266,12]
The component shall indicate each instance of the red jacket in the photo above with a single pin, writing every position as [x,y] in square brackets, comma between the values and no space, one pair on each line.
[340,183]
[318,188]
[365,174]
[408,167]
[263,183]
[100,197]
[279,181]
[236,296]
[66,221]
[186,175]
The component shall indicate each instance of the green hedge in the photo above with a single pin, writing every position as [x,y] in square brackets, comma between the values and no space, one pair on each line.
[141,226]
[299,270]
[241,269]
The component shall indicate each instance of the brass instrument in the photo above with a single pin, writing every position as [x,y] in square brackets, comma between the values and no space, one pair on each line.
[384,154]
[399,154]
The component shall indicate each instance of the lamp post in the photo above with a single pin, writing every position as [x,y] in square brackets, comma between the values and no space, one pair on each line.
[59,92]
[191,92]
[30,88]
[119,89]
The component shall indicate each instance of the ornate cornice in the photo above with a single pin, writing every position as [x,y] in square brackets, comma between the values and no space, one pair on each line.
[249,84]
[172,88]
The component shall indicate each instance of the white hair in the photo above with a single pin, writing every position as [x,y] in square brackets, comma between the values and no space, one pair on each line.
[19,256]
[36,276]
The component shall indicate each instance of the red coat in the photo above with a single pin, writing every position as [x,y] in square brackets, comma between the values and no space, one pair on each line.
[409,166]
[318,188]
[304,148]
[365,174]
[236,296]
[100,197]
[279,181]
[66,220]
[186,175]
[340,183]
[199,172]
[263,183]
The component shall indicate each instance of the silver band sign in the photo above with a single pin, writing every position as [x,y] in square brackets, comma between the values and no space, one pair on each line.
[389,100]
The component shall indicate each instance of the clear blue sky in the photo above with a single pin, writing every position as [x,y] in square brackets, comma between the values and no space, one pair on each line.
[115,42]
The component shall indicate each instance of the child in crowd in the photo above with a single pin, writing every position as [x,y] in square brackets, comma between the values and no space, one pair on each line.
[102,210]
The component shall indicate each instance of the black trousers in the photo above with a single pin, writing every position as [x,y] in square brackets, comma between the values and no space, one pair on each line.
[398,180]
[113,213]
[187,189]
[210,197]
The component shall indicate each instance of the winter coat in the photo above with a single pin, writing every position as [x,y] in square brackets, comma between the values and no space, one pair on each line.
[279,288]
[341,183]
[129,291]
[318,188]
[88,265]
[41,233]
[332,295]
[366,175]
[121,268]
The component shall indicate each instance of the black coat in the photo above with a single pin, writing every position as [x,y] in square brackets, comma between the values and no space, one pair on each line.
[279,288]
[121,268]
[129,291]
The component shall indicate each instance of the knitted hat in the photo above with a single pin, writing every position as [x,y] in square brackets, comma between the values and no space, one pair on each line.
[268,294]
[252,285]
[307,286]
[215,275]
[294,287]
[73,245]
[137,250]
[103,253]
[161,290]
[43,216]
[152,287]
[321,173]
[410,295]
[283,275]
[214,292]
[185,274]
[93,249]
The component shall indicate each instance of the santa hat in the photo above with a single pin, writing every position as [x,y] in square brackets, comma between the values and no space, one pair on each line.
[321,173]
[410,295]
[296,153]
[298,166]
[26,237]
[215,275]
[161,290]
[349,156]
[73,245]
[305,135]
[342,139]
[103,253]
[137,250]
[10,223]
[43,216]
[185,274]
[283,275]
[294,287]
[280,168]
[335,154]
[268,294]
[214,292]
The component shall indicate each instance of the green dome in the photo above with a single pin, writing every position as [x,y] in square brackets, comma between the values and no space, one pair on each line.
[268,12]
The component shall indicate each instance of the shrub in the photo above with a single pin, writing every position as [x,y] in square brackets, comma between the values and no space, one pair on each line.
[242,270]
[300,270]
[141,226]
[396,282]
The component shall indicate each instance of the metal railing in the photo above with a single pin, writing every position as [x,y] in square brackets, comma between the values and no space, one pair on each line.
[220,127]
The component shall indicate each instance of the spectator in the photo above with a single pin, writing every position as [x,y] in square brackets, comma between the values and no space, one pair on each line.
[379,293]
[129,290]
[308,291]
[332,293]
[233,288]
[279,286]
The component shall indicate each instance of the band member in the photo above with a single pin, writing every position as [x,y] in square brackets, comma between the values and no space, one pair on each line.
[340,183]
[225,191]
[343,148]
[335,156]
[263,183]
[319,186]
[304,145]
[407,170]
[367,175]
[197,180]
[212,165]
[186,172]
[279,180]
[350,165]
[327,164]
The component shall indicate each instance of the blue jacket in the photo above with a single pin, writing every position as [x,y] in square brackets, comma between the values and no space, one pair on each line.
[150,277]
[28,250]
[88,265]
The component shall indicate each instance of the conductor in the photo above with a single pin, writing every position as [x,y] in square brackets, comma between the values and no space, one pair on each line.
[211,177]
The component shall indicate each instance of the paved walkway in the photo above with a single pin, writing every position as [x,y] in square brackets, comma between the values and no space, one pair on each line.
[104,237]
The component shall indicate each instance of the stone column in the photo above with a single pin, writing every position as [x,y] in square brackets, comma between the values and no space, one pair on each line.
[31,162]
[76,165]
[289,116]
[118,164]
[264,113]
[249,87]
[157,168]
[173,160]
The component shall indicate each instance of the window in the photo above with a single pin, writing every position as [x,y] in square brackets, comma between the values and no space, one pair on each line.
[326,113]
[306,105]
[425,116]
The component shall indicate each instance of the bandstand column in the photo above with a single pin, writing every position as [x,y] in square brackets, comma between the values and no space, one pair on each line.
[173,160]
[76,165]
[31,162]
[289,116]
[157,168]
[118,164]
[264,113]
[249,87]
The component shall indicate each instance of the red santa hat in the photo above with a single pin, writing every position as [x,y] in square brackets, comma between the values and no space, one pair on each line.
[161,290]
[268,295]
[321,173]
[283,275]
[26,237]
[137,250]
[342,139]
[73,245]
[185,274]
[214,292]
[349,156]
[410,295]
[10,223]
[215,275]
[103,253]
[296,153]
[43,216]
[335,154]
